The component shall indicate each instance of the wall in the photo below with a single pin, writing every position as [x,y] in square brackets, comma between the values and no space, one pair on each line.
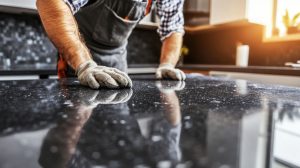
[227,10]
[256,11]
[23,41]
[197,5]
[218,46]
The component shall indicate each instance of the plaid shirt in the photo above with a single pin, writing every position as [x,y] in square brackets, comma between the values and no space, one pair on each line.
[169,12]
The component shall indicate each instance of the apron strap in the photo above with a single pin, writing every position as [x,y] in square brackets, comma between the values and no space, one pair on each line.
[61,67]
[148,8]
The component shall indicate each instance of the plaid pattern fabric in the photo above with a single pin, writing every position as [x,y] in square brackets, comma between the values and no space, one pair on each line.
[75,5]
[169,12]
[171,17]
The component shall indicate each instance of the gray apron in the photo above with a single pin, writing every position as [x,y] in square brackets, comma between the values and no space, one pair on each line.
[105,26]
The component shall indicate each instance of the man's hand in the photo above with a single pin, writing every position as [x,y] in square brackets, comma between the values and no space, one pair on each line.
[168,71]
[169,57]
[94,76]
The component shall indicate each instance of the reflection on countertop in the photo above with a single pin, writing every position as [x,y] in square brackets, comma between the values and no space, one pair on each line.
[202,122]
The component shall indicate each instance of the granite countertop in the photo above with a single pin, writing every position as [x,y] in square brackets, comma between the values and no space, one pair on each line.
[202,122]
[51,69]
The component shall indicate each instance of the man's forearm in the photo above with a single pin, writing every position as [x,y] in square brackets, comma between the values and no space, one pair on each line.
[171,49]
[63,31]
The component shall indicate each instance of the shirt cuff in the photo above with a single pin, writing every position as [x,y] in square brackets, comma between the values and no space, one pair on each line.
[163,37]
[73,9]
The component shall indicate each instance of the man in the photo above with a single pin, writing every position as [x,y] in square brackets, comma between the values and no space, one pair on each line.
[93,42]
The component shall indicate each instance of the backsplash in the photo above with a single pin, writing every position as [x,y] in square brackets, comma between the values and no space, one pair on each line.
[23,41]
[143,47]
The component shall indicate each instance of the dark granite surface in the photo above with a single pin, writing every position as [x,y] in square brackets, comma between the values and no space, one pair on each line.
[203,122]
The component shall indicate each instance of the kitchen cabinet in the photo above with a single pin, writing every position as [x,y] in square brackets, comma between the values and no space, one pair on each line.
[196,12]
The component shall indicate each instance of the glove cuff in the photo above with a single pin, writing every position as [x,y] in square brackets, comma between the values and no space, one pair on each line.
[166,65]
[82,67]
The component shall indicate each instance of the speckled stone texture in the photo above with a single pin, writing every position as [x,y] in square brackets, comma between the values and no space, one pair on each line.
[198,123]
[23,41]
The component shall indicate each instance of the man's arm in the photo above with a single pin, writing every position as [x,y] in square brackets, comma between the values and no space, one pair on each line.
[171,47]
[171,31]
[63,31]
[170,54]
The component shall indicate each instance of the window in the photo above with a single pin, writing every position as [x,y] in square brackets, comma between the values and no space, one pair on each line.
[286,21]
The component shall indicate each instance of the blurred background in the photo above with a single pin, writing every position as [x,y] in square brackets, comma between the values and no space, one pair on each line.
[257,40]
[243,36]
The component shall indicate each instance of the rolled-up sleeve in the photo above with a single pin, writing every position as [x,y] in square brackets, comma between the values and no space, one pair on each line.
[75,5]
[170,13]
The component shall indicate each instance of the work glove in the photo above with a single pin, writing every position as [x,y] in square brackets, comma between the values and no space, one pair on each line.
[94,76]
[168,71]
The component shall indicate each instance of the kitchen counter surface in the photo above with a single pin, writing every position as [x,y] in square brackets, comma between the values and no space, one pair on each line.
[203,122]
[44,71]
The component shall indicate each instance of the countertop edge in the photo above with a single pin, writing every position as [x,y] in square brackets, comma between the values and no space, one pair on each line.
[150,68]
[273,70]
